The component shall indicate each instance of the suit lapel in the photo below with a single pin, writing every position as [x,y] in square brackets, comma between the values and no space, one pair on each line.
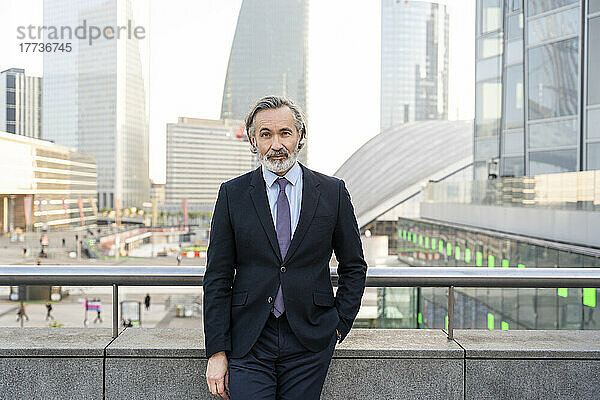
[310,198]
[258,194]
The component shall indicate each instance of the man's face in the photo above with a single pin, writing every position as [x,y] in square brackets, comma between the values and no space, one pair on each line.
[276,138]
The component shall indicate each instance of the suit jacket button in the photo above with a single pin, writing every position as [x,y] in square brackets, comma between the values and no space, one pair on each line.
[282,269]
[270,300]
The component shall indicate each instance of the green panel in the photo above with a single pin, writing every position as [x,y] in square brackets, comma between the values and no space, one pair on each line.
[426,242]
[589,297]
[491,261]
[420,240]
[415,238]
[441,246]
[433,243]
[446,322]
[520,266]
[467,255]
[457,253]
[490,322]
[448,249]
[409,236]
[563,292]
[504,326]
[478,259]
[420,318]
[504,263]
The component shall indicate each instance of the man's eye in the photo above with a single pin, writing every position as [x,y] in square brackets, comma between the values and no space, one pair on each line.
[264,134]
[286,133]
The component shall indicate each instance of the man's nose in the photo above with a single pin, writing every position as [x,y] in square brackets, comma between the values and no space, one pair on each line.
[276,145]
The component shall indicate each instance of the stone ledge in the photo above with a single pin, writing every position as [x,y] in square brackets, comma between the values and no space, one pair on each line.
[54,342]
[360,343]
[584,345]
[397,343]
[158,342]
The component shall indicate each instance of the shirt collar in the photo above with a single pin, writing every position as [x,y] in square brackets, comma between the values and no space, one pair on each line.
[292,175]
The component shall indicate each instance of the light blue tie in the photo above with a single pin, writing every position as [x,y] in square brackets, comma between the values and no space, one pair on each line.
[284,234]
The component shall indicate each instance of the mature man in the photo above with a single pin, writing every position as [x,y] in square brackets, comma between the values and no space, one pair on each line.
[271,320]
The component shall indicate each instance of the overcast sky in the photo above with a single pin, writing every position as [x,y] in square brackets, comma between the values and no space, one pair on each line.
[190,41]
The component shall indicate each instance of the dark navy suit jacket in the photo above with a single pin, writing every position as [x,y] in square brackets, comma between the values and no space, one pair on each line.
[244,266]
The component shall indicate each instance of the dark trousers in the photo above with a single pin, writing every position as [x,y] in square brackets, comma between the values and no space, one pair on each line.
[278,367]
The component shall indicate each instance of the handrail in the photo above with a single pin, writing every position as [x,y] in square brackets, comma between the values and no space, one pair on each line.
[451,277]
[85,275]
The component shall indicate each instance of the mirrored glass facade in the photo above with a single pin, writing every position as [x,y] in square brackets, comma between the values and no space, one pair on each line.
[534,68]
[95,96]
[414,62]
[268,56]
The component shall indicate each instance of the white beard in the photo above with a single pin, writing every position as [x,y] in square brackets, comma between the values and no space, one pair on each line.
[277,166]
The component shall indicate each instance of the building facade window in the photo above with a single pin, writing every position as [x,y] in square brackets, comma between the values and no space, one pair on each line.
[514,113]
[513,142]
[491,15]
[549,162]
[488,108]
[593,79]
[593,156]
[553,75]
[536,7]
[554,26]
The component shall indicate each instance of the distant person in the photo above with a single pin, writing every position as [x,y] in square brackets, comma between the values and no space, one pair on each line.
[179,259]
[147,301]
[63,242]
[98,316]
[48,311]
[38,262]
[22,313]
[24,251]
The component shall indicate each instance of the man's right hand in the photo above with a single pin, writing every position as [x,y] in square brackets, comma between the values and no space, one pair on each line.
[217,375]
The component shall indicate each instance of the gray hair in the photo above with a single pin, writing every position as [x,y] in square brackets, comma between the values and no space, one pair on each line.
[273,103]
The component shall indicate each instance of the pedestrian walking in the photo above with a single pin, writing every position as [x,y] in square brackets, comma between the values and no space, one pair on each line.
[147,301]
[63,242]
[98,316]
[179,259]
[22,313]
[48,311]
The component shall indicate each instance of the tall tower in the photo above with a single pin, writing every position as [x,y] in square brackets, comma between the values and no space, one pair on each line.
[96,95]
[414,62]
[20,102]
[268,56]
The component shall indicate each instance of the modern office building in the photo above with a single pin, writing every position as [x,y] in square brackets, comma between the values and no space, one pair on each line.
[414,62]
[202,154]
[20,103]
[385,176]
[96,96]
[268,56]
[537,91]
[421,194]
[44,185]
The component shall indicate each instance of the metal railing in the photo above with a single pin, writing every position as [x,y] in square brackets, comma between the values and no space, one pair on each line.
[449,277]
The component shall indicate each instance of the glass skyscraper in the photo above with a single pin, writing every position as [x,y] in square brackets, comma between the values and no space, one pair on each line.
[95,97]
[414,62]
[268,56]
[538,91]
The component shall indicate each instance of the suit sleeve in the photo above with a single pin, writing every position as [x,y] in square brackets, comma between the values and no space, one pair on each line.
[352,268]
[218,278]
